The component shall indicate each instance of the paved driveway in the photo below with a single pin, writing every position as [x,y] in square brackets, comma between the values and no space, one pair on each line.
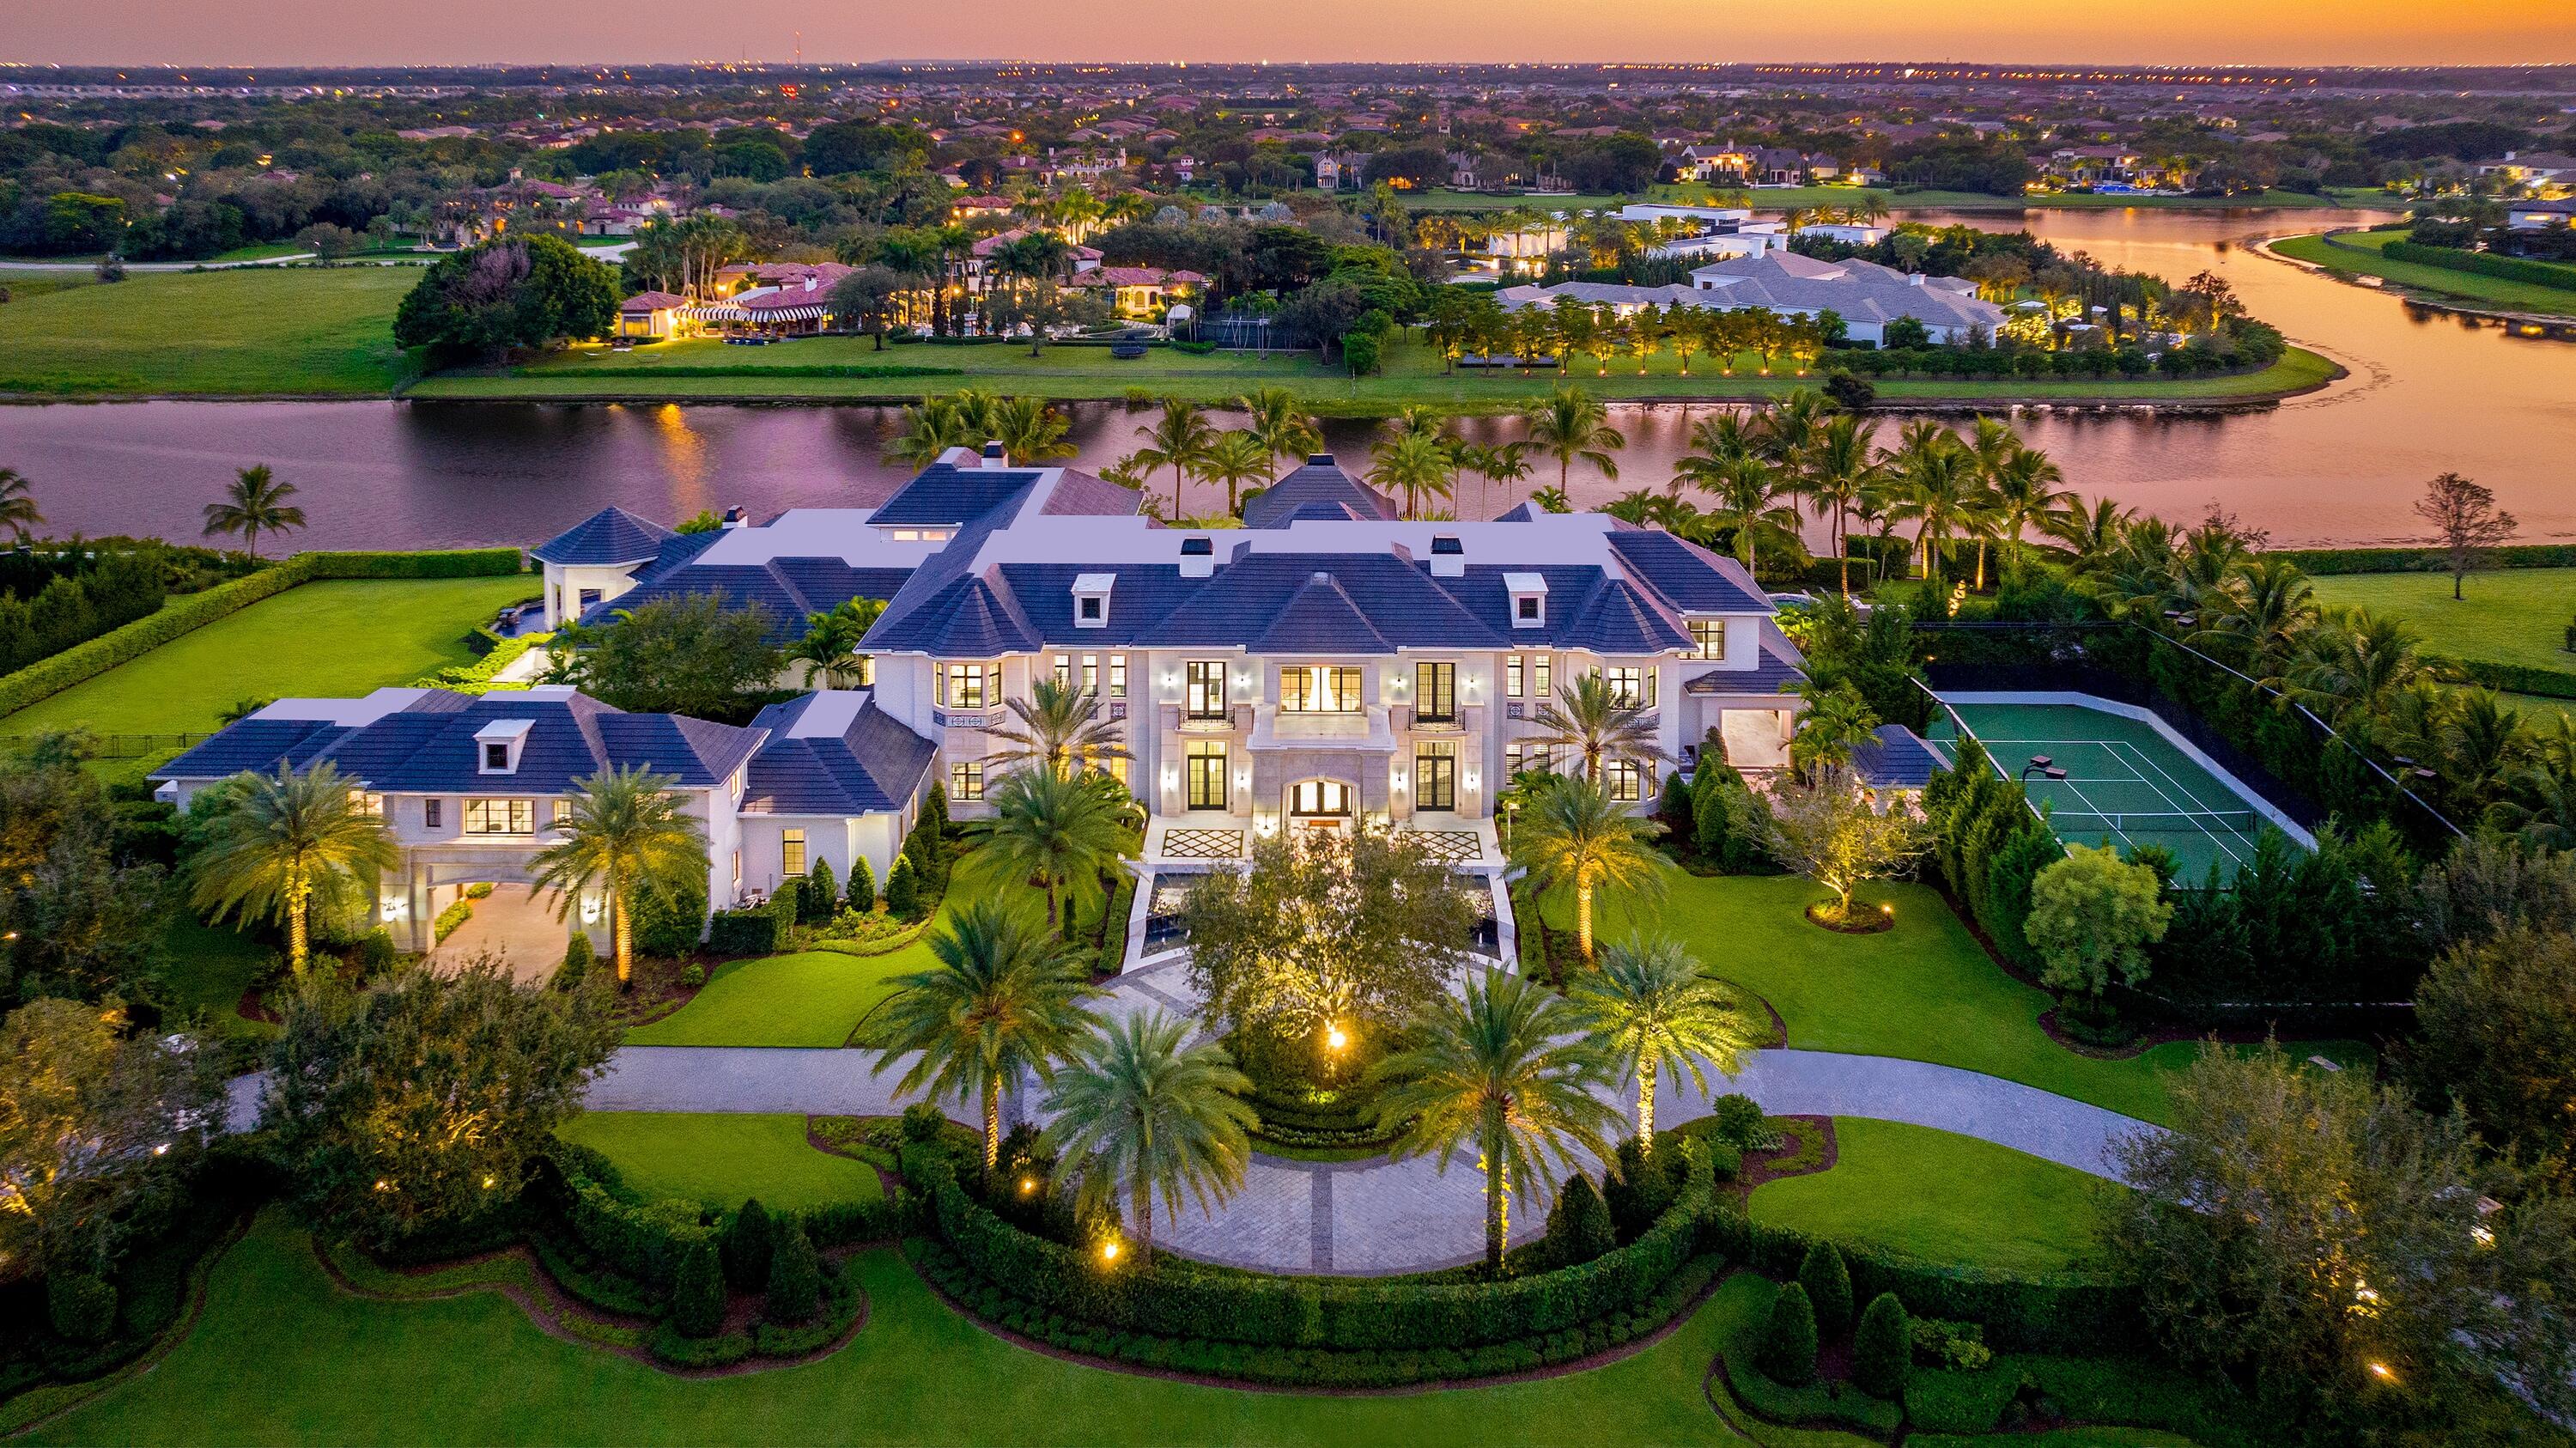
[516,923]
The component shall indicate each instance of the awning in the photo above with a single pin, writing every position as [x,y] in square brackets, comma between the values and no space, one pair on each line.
[805,313]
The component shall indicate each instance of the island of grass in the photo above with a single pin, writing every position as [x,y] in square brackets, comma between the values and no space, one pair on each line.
[1938,1197]
[718,1159]
[853,369]
[242,332]
[2348,254]
[332,638]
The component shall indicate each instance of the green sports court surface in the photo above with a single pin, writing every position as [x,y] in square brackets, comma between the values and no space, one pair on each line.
[2125,784]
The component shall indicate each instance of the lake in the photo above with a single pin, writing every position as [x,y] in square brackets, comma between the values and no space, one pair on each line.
[2429,393]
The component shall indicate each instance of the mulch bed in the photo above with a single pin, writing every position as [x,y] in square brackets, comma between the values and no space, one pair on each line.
[253,1006]
[1861,923]
[1808,1146]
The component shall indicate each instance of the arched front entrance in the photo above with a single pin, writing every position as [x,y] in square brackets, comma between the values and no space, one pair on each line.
[1321,804]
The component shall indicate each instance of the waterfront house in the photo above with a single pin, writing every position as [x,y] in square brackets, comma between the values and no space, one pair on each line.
[1141,293]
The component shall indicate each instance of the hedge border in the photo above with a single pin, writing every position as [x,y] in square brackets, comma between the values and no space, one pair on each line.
[2332,562]
[2481,263]
[189,612]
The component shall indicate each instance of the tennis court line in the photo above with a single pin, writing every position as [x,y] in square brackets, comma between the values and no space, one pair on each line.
[2059,745]
[2191,802]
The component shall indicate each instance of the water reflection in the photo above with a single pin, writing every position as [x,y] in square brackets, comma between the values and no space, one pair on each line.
[2429,392]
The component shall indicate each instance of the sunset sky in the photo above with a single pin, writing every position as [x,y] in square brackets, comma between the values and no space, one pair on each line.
[276,32]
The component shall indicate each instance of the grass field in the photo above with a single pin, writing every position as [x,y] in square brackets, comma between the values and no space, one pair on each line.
[719,1159]
[340,636]
[1925,990]
[2354,253]
[813,998]
[1942,1198]
[1413,373]
[2512,615]
[248,331]
[280,1355]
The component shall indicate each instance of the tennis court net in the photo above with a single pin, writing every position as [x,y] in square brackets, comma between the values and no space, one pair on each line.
[2149,822]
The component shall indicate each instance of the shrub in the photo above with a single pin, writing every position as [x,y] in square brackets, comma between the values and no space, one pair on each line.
[1829,1289]
[746,932]
[693,975]
[795,1277]
[375,953]
[1788,1349]
[81,1306]
[578,962]
[1737,1120]
[1882,1348]
[903,890]
[450,919]
[819,895]
[923,1122]
[787,901]
[698,1297]
[1643,1188]
[1578,1226]
[861,895]
[745,1247]
[1953,1345]
[669,926]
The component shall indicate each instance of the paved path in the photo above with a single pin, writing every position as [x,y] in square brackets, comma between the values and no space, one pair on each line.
[1376,1216]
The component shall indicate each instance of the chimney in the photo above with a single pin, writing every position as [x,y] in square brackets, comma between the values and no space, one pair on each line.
[995,456]
[1914,279]
[1319,460]
[734,518]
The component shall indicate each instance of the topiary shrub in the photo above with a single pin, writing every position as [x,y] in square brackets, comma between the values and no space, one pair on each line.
[903,889]
[81,1306]
[1787,1353]
[693,975]
[1643,1187]
[1578,1226]
[669,926]
[1737,1120]
[787,901]
[375,953]
[819,896]
[578,962]
[1882,1348]
[862,892]
[1828,1282]
[745,1246]
[698,1295]
[922,1122]
[795,1277]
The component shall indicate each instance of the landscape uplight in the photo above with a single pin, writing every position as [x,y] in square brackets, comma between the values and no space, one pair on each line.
[1109,1251]
[1333,1037]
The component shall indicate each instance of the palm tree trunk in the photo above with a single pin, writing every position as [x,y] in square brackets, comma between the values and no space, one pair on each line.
[1842,547]
[1583,921]
[1497,1222]
[992,1123]
[621,929]
[298,896]
[1645,1106]
[1050,894]
[1143,1196]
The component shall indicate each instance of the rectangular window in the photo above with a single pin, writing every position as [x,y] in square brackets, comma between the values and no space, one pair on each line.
[1435,778]
[970,686]
[1630,687]
[1207,774]
[1320,689]
[1710,635]
[496,756]
[1435,693]
[791,852]
[1628,779]
[1117,676]
[966,779]
[563,813]
[431,814]
[1088,677]
[1206,699]
[500,817]
[1540,688]
[1515,677]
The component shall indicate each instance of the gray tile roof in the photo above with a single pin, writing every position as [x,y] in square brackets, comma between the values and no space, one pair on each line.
[608,537]
[1319,480]
[1855,290]
[945,496]
[1895,759]
[874,766]
[1775,671]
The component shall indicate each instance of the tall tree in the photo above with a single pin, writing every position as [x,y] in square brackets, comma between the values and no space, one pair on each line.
[1059,728]
[1177,439]
[1508,1073]
[829,650]
[253,504]
[1281,423]
[1843,472]
[1839,835]
[1937,487]
[1574,834]
[18,504]
[1053,827]
[1411,465]
[1138,1109]
[1234,458]
[680,654]
[1003,1000]
[285,840]
[2466,523]
[630,834]
[1586,717]
[1571,423]
[1656,1012]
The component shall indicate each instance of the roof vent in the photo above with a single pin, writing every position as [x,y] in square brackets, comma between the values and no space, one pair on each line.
[996,456]
[1448,556]
[1198,557]
[1319,460]
[734,517]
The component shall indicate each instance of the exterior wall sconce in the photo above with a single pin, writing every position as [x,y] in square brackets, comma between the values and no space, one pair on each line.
[590,909]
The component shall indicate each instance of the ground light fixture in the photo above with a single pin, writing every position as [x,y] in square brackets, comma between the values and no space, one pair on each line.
[1109,1252]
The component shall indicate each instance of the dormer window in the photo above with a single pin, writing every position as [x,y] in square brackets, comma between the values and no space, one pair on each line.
[1529,599]
[1091,599]
[497,745]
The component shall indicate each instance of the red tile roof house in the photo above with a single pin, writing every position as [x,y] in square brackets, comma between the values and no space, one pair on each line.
[649,314]
[1142,291]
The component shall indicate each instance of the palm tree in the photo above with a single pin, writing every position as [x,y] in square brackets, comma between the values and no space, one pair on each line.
[2351,662]
[1002,1000]
[1991,445]
[1937,485]
[1835,722]
[1413,463]
[2260,612]
[1508,1073]
[1054,828]
[2093,533]
[1570,423]
[283,839]
[1755,499]
[1028,430]
[1177,440]
[1058,727]
[1282,425]
[2026,495]
[1842,471]
[1587,718]
[1575,834]
[18,504]
[629,831]
[254,504]
[1506,463]
[933,426]
[1138,1109]
[1234,458]
[1656,1012]
[830,648]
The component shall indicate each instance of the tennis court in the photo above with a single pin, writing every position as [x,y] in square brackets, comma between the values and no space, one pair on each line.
[2111,779]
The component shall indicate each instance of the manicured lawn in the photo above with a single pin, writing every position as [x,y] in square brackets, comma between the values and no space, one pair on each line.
[2357,253]
[339,636]
[1942,1198]
[718,1159]
[246,331]
[1413,372]
[1924,990]
[2512,615]
[812,998]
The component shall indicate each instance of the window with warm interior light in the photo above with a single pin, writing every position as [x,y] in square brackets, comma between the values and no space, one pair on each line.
[1320,689]
[1207,774]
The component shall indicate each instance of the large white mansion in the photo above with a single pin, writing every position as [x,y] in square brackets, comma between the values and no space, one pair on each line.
[1323,665]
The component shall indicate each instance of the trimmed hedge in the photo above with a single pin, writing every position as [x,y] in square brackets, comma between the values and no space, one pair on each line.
[190,612]
[2484,263]
[2512,678]
[1174,1300]
[645,1241]
[2059,1313]
[2328,562]
[747,932]
[2130,1392]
